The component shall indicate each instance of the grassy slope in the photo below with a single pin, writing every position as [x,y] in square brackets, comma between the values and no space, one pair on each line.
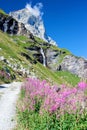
[12,46]
[11,50]
[61,77]
[2,12]
[70,79]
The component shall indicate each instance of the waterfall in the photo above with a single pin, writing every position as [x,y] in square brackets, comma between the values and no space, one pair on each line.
[44,58]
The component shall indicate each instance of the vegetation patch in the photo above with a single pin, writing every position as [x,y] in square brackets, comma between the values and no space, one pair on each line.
[45,107]
[2,12]
[69,78]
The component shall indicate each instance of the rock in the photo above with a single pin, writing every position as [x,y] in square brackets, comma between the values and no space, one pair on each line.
[0,49]
[13,27]
[52,58]
[26,56]
[75,65]
[33,48]
[36,53]
[2,58]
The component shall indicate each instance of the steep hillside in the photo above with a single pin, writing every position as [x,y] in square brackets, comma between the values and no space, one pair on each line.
[20,57]
[23,55]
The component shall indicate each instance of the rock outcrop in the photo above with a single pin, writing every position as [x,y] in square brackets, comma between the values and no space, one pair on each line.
[59,60]
[13,27]
[52,57]
[75,65]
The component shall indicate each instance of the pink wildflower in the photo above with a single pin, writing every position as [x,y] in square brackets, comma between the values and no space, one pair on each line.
[82,85]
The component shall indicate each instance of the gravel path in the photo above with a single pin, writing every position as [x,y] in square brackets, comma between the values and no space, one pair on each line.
[8,97]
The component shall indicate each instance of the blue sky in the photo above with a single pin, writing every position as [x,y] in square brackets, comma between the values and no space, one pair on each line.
[65,21]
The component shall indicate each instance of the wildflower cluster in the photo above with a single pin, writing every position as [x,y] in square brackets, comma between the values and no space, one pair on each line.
[40,97]
[46,107]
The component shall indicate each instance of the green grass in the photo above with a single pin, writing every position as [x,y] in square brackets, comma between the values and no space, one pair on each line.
[13,46]
[34,121]
[70,78]
[11,49]
[60,77]
[8,47]
[44,73]
[39,40]
[2,12]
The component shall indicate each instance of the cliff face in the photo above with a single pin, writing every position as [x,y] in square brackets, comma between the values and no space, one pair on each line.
[75,65]
[13,27]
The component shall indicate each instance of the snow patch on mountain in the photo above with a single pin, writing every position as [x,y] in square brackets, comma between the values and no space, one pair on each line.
[31,17]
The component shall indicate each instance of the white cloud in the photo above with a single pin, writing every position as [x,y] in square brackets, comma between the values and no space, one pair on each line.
[36,9]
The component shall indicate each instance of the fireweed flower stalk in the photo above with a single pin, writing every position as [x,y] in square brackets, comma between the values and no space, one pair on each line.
[41,97]
[82,85]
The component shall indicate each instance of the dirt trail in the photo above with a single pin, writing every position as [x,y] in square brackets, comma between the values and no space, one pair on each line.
[8,97]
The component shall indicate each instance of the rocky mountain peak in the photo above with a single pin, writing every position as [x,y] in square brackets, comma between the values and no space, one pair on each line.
[33,22]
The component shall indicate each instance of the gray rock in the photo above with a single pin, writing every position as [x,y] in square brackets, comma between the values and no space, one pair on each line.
[75,65]
[2,58]
[52,58]
[13,27]
[0,49]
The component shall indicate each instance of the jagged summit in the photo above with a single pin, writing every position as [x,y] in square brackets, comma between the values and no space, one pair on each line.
[33,22]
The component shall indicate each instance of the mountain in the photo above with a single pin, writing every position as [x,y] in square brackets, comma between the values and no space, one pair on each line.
[24,55]
[33,23]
